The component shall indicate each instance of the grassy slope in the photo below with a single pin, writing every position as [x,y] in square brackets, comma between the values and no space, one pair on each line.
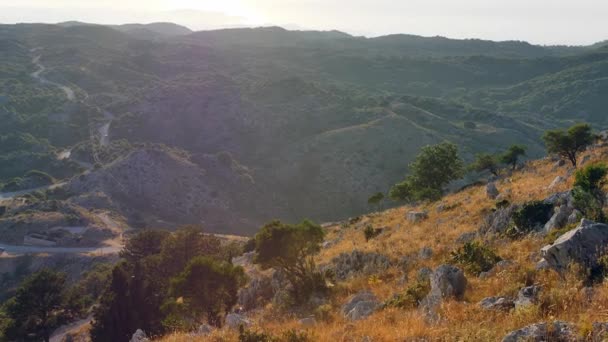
[561,299]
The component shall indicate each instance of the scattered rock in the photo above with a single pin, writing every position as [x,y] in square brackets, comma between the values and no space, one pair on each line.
[256,293]
[581,245]
[466,237]
[234,321]
[497,303]
[360,306]
[532,333]
[139,336]
[491,190]
[424,274]
[559,198]
[448,281]
[559,218]
[441,207]
[350,264]
[527,296]
[308,322]
[498,221]
[557,181]
[417,216]
[425,253]
[574,217]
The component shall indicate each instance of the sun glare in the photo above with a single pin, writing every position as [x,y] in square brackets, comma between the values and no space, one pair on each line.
[230,7]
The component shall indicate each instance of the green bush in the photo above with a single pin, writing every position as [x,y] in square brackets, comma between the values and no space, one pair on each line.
[529,217]
[588,193]
[411,297]
[475,257]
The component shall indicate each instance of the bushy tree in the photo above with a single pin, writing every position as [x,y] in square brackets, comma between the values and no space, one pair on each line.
[569,143]
[512,155]
[588,191]
[290,249]
[434,168]
[37,308]
[207,289]
[485,162]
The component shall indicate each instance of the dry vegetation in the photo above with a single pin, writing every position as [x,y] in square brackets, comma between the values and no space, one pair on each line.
[562,298]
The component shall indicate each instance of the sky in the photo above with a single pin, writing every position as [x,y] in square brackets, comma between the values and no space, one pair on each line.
[563,22]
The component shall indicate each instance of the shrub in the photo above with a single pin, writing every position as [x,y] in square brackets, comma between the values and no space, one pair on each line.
[475,257]
[246,335]
[371,232]
[485,162]
[588,193]
[528,218]
[412,296]
[323,313]
[511,156]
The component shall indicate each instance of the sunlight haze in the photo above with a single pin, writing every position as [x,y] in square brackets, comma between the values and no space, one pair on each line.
[540,22]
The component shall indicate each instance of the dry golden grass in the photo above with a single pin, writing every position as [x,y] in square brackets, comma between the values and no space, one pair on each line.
[562,298]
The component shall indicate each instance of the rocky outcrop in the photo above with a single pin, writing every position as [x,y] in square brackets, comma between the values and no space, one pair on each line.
[497,303]
[350,264]
[492,191]
[425,253]
[498,221]
[540,332]
[360,306]
[557,181]
[582,245]
[527,296]
[139,336]
[448,281]
[234,321]
[416,216]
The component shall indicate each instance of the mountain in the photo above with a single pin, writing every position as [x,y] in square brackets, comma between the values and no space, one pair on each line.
[319,120]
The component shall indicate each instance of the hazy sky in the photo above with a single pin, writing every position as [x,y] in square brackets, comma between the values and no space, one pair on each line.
[537,21]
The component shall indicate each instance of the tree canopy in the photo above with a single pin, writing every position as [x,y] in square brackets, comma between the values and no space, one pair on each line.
[434,168]
[568,143]
[512,155]
[485,162]
[290,249]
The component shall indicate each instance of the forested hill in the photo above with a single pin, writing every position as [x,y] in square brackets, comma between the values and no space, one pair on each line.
[301,123]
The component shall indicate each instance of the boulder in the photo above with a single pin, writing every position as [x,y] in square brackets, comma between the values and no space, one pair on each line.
[497,303]
[542,265]
[234,321]
[360,306]
[448,281]
[308,322]
[498,221]
[559,198]
[491,190]
[582,245]
[574,217]
[531,333]
[466,237]
[527,296]
[557,181]
[256,293]
[559,218]
[417,216]
[139,336]
[350,264]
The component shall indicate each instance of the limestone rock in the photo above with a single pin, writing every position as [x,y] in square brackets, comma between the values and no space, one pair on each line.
[448,281]
[308,322]
[139,336]
[417,216]
[234,321]
[581,245]
[532,333]
[497,303]
[425,253]
[527,296]
[360,306]
[491,190]
[350,264]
